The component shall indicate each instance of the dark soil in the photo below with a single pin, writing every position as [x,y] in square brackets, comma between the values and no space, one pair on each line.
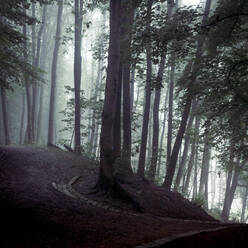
[34,214]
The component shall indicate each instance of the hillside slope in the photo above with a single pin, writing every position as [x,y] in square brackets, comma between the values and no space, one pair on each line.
[36,214]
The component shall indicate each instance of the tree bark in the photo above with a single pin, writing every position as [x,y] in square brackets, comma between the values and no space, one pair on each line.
[127,20]
[22,120]
[5,116]
[142,155]
[186,147]
[226,211]
[170,170]
[163,131]
[227,197]
[78,8]
[203,187]
[36,63]
[170,114]
[155,137]
[117,119]
[34,86]
[93,123]
[28,93]
[107,156]
[51,123]
[244,204]
[192,155]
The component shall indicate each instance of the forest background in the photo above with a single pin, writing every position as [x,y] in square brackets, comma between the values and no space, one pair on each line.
[179,111]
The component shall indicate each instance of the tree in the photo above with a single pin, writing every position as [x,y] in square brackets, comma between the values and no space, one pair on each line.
[5,116]
[142,155]
[107,157]
[54,74]
[127,19]
[170,170]
[36,63]
[78,7]
[186,146]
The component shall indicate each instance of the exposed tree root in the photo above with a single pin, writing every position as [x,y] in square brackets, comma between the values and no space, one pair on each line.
[68,148]
[113,189]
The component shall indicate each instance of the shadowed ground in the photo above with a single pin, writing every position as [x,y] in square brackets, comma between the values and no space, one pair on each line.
[34,214]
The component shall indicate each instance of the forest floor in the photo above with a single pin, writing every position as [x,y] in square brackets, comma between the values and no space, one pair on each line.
[34,213]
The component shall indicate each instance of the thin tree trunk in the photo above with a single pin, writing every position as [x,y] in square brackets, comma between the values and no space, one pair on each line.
[77,72]
[234,184]
[132,88]
[36,90]
[192,155]
[195,184]
[155,137]
[51,123]
[27,89]
[137,100]
[186,147]
[5,116]
[205,168]
[142,155]
[34,85]
[170,170]
[170,115]
[22,120]
[94,124]
[213,185]
[244,202]
[163,131]
[226,204]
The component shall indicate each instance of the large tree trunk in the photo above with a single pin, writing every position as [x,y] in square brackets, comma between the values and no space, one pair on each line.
[5,116]
[78,8]
[142,155]
[117,119]
[107,156]
[51,123]
[127,21]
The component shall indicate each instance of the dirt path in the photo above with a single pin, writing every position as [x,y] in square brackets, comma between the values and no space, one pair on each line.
[35,214]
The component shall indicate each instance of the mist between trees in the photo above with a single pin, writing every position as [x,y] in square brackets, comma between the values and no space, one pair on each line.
[145,87]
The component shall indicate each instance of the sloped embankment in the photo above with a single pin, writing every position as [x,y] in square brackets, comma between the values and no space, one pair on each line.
[35,214]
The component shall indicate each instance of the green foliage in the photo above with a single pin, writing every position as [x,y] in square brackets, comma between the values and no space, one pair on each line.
[68,113]
[13,66]
[222,76]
